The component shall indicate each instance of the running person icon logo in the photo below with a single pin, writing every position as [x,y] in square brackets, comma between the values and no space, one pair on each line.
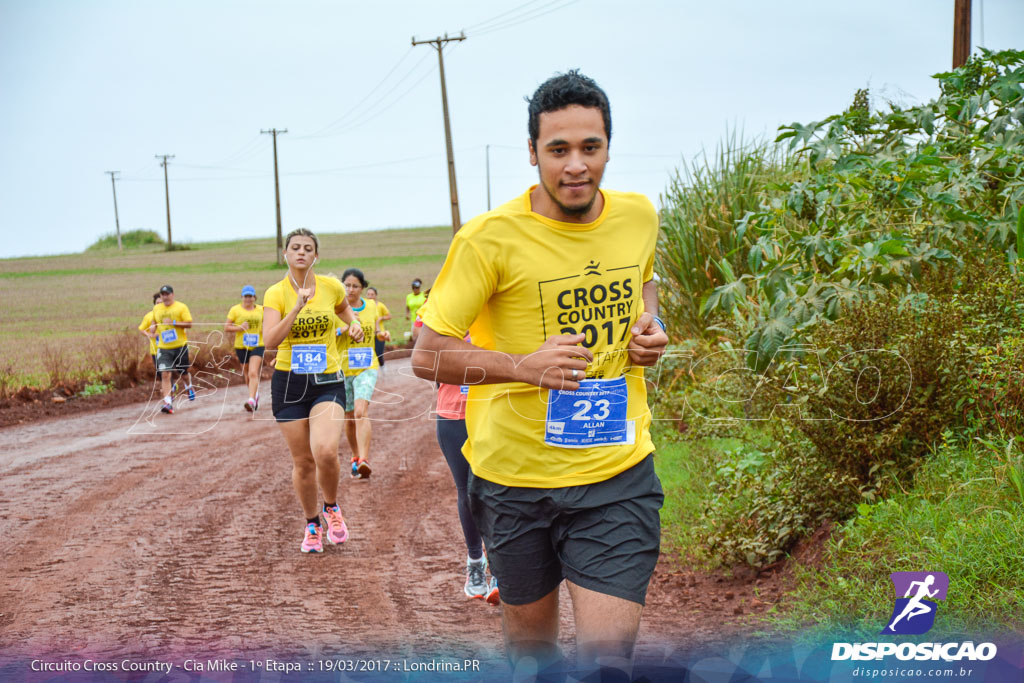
[914,613]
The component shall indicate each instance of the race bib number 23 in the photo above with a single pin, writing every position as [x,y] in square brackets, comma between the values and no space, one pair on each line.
[593,415]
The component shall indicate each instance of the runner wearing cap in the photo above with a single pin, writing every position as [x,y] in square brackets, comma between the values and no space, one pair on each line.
[171,319]
[307,390]
[385,315]
[246,321]
[413,301]
[359,362]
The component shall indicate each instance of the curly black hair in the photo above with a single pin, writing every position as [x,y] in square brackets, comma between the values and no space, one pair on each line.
[563,90]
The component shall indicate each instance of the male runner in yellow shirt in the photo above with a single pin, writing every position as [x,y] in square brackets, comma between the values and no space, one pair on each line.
[556,289]
[171,319]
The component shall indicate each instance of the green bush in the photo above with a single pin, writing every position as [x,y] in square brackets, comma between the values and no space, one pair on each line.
[763,502]
[886,197]
[96,388]
[134,238]
[852,417]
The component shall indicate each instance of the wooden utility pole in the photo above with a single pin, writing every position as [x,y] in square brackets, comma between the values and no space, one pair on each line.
[117,222]
[277,194]
[961,32]
[488,152]
[438,44]
[167,195]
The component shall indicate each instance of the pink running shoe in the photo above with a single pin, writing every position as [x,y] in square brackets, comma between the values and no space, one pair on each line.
[313,541]
[337,532]
[493,598]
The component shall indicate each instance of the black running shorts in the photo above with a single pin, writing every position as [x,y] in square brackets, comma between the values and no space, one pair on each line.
[244,355]
[292,396]
[604,536]
[168,360]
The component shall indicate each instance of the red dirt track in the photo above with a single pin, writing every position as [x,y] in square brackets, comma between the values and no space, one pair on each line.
[130,533]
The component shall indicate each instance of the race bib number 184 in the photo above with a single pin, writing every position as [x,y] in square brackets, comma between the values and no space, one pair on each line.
[309,358]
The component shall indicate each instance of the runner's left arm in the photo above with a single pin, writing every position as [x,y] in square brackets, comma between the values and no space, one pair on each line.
[186,319]
[648,340]
[345,312]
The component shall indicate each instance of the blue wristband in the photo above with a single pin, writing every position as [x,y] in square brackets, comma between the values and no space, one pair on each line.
[660,322]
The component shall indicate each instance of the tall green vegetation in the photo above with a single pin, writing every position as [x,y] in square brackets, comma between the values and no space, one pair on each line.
[887,196]
[869,280]
[700,247]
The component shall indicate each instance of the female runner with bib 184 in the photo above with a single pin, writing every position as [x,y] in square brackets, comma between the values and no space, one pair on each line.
[307,389]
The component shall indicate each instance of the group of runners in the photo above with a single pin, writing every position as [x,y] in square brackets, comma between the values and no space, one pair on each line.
[537,331]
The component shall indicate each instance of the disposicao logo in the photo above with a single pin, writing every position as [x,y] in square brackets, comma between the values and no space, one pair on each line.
[914,614]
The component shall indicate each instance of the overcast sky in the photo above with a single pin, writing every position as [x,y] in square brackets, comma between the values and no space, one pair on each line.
[104,85]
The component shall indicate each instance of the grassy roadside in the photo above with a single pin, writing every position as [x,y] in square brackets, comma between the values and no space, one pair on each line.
[963,515]
[68,303]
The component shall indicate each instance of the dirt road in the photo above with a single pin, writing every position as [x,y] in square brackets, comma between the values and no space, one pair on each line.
[126,532]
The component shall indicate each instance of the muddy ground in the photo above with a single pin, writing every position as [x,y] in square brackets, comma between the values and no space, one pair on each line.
[126,532]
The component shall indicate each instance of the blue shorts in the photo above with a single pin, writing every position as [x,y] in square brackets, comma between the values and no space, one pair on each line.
[359,386]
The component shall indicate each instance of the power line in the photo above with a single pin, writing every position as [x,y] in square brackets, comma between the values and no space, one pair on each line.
[529,16]
[334,129]
[373,115]
[218,168]
[483,24]
[249,146]
[365,97]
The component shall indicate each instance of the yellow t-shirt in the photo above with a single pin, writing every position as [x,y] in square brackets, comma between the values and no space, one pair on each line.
[514,278]
[147,321]
[168,336]
[413,303]
[382,310]
[315,322]
[353,352]
[238,315]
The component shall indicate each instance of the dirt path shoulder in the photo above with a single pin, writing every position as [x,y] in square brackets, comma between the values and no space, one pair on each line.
[126,532]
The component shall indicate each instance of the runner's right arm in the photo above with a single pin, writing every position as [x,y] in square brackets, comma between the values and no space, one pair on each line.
[276,328]
[440,358]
